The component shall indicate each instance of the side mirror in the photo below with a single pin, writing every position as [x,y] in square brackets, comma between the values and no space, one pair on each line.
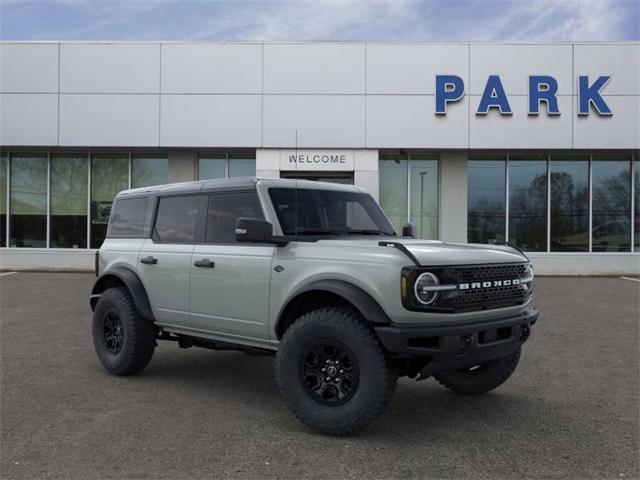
[409,230]
[253,230]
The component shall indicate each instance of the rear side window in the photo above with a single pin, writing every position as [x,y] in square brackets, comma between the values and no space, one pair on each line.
[224,209]
[129,218]
[176,219]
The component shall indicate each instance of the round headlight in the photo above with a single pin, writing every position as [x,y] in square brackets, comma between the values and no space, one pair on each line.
[424,294]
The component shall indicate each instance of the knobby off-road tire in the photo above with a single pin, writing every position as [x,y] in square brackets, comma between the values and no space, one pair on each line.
[123,341]
[481,379]
[361,382]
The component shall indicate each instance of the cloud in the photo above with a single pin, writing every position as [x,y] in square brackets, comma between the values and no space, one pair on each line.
[331,20]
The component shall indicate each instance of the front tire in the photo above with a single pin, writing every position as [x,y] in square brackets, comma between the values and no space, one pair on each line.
[333,373]
[480,379]
[123,340]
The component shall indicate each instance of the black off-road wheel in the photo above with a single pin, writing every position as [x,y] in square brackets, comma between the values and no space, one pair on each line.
[123,341]
[480,378]
[333,373]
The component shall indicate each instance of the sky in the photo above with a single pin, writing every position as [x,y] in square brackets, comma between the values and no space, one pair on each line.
[321,20]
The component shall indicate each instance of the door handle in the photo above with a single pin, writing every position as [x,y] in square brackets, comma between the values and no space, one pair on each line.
[205,263]
[149,260]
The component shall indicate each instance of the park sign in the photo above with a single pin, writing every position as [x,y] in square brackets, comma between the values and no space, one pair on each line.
[542,89]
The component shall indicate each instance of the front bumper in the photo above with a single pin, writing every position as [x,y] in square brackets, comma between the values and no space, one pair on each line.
[458,346]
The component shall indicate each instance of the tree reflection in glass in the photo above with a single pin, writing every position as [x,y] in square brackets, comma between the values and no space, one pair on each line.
[486,201]
[528,204]
[611,230]
[569,203]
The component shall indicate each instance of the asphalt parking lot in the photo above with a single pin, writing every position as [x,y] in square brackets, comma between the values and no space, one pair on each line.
[570,411]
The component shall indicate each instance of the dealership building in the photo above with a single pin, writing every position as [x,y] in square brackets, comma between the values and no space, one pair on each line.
[533,144]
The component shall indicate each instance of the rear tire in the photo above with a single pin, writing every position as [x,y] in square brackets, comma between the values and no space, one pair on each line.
[123,340]
[482,379]
[357,382]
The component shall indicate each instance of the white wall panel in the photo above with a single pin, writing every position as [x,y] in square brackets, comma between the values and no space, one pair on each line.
[28,119]
[412,69]
[514,64]
[621,130]
[314,68]
[28,68]
[210,120]
[109,120]
[110,68]
[409,121]
[521,130]
[321,121]
[211,68]
[620,61]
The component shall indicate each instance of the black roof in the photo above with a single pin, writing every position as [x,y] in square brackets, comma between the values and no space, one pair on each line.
[221,184]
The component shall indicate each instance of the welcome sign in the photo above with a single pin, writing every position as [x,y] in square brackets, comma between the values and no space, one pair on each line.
[317,160]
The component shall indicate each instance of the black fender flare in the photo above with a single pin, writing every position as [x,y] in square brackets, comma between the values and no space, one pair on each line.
[356,296]
[133,283]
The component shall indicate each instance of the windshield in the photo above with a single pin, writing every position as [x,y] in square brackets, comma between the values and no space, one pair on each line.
[328,212]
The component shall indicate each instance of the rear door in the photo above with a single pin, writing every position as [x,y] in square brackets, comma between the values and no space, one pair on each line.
[230,280]
[165,259]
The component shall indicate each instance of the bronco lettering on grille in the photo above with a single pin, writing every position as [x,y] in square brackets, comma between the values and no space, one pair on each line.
[488,284]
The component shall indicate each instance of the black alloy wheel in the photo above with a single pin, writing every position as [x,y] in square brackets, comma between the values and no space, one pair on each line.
[113,332]
[330,373]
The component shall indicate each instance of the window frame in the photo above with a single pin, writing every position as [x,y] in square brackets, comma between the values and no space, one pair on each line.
[197,234]
[226,156]
[408,156]
[205,215]
[591,154]
[146,230]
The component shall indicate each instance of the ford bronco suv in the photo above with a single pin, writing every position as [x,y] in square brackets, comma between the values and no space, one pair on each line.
[314,274]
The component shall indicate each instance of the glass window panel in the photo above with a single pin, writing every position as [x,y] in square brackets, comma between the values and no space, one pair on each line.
[528,202]
[130,218]
[636,201]
[69,201]
[4,161]
[486,201]
[223,212]
[109,175]
[176,219]
[393,187]
[569,203]
[611,230]
[242,167]
[149,170]
[28,201]
[424,195]
[211,167]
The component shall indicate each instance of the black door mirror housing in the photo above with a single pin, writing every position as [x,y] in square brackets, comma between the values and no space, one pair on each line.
[409,230]
[253,230]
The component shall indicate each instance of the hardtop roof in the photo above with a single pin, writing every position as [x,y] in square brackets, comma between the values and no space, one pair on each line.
[230,184]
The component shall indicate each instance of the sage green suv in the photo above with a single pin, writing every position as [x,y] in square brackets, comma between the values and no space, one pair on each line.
[314,274]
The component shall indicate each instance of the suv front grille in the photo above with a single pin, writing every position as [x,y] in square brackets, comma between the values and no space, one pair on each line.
[479,287]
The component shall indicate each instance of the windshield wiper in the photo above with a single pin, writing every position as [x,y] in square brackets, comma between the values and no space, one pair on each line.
[365,232]
[318,232]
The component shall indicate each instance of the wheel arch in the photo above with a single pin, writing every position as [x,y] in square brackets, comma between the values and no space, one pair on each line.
[123,277]
[324,293]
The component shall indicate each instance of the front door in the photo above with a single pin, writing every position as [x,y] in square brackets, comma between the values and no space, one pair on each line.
[229,280]
[334,177]
[165,259]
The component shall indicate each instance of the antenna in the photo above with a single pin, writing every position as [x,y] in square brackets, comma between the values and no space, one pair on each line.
[295,201]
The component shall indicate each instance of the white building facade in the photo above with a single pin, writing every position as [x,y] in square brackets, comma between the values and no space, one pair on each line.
[534,144]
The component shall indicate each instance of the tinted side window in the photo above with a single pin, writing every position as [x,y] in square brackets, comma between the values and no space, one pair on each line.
[129,217]
[176,219]
[224,210]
